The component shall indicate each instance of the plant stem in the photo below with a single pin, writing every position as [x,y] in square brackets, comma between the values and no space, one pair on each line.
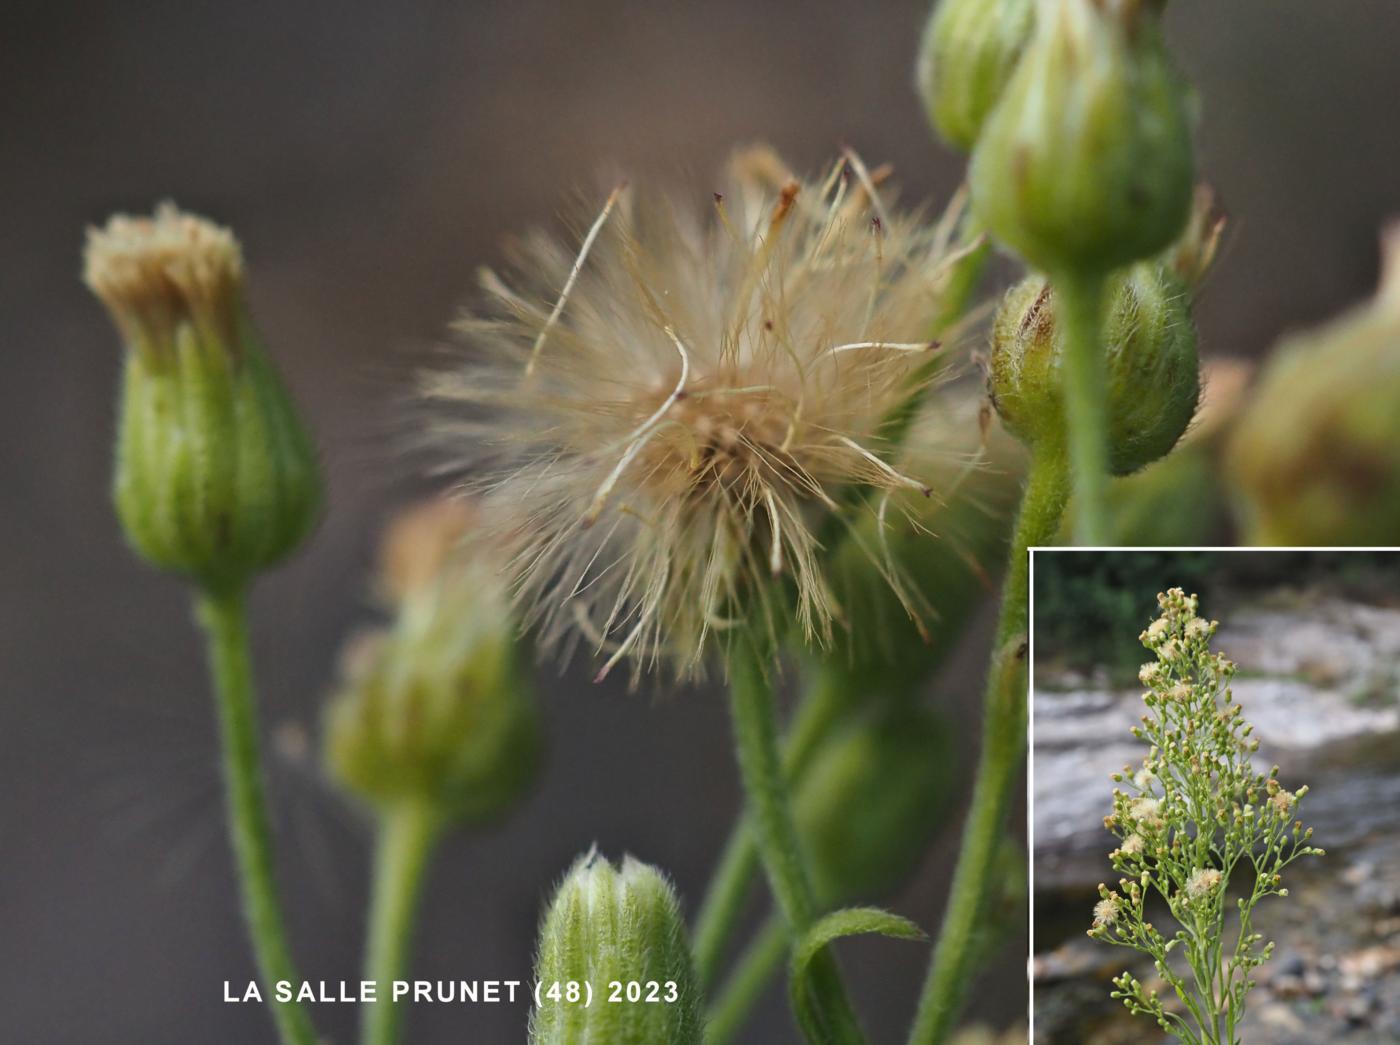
[755,724]
[738,864]
[760,961]
[224,620]
[408,833]
[1086,401]
[1002,758]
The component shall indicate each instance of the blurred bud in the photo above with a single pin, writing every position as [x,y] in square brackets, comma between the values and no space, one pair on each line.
[215,477]
[615,925]
[871,801]
[969,50]
[1085,164]
[1316,457]
[436,708]
[1153,375]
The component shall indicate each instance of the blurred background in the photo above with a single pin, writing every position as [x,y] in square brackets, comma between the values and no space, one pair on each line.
[371,156]
[1316,638]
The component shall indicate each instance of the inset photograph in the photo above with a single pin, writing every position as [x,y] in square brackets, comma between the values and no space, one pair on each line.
[1215,797]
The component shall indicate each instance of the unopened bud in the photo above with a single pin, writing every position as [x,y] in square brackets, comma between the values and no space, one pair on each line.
[435,709]
[215,477]
[1150,354]
[1315,458]
[871,800]
[1085,164]
[969,51]
[609,925]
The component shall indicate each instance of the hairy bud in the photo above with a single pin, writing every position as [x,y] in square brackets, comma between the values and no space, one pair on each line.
[620,925]
[1150,355]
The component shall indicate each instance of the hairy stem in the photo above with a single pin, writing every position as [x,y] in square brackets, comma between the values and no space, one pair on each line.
[224,620]
[408,834]
[760,767]
[1002,757]
[760,962]
[723,904]
[1086,402]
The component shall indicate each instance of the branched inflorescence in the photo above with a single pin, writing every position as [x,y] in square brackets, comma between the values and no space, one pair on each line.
[1195,822]
[666,419]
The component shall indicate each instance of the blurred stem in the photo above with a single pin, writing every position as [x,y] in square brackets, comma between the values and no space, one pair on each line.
[408,834]
[723,904]
[757,966]
[1002,758]
[224,620]
[755,724]
[1086,401]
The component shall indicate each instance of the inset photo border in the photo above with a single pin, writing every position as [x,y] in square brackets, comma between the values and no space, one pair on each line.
[1214,796]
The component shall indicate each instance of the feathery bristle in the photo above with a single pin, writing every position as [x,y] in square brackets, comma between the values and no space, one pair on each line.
[663,419]
[153,273]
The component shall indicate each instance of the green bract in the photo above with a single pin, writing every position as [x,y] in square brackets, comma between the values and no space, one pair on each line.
[215,476]
[1085,164]
[969,50]
[1194,821]
[1153,379]
[610,930]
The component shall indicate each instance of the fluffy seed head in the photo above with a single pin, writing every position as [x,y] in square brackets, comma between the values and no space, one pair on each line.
[671,414]
[1106,911]
[1202,882]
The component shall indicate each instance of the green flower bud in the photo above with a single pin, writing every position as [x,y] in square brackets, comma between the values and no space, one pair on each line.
[969,50]
[605,926]
[872,799]
[1315,459]
[436,708]
[215,477]
[1150,355]
[1085,164]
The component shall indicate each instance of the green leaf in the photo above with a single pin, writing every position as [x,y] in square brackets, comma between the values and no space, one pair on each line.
[849,921]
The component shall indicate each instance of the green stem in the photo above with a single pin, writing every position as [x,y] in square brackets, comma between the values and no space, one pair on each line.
[761,961]
[408,834]
[728,890]
[755,724]
[1002,758]
[224,620]
[1080,308]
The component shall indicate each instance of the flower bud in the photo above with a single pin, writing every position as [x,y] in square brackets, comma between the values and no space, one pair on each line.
[969,50]
[435,709]
[1085,164]
[1315,459]
[872,798]
[215,477]
[610,925]
[1150,356]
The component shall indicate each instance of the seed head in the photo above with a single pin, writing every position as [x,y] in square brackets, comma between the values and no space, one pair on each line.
[1202,882]
[675,414]
[1106,911]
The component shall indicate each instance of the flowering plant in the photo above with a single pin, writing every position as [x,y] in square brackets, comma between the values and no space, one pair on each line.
[1194,819]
